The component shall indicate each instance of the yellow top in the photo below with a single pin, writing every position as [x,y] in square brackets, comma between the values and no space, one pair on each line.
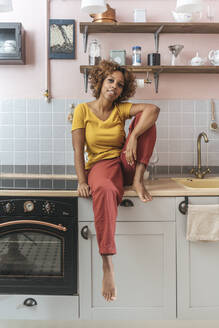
[103,139]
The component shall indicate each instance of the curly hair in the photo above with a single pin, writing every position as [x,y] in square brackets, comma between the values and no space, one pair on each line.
[99,73]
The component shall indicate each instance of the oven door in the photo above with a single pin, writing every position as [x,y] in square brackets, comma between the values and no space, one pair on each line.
[38,256]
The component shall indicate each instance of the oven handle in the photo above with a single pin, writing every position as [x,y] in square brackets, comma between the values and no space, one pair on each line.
[55,226]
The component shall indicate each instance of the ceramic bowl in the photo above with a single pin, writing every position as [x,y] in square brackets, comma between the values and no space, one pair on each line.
[10,43]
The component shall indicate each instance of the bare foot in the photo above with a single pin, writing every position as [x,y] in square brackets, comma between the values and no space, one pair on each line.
[142,192]
[108,285]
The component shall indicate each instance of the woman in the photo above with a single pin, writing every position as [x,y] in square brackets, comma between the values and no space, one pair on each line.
[112,161]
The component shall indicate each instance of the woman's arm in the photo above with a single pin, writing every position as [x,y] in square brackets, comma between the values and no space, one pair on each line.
[78,141]
[148,118]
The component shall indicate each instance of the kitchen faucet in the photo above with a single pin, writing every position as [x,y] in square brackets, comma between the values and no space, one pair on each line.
[199,173]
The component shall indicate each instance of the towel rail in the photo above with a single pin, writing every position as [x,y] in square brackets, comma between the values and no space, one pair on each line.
[183,206]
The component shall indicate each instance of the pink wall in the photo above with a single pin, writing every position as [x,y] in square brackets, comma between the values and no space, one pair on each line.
[67,82]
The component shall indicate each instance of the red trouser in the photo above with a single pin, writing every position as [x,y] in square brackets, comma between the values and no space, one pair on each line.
[106,180]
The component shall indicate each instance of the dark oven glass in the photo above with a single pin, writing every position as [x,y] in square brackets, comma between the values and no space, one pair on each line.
[38,246]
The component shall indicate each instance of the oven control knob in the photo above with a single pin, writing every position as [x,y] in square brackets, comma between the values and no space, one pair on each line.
[48,208]
[9,207]
[28,206]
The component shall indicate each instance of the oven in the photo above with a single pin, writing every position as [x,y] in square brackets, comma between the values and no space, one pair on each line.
[38,246]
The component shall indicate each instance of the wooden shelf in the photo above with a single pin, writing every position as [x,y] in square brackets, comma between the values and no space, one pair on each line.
[165,69]
[168,27]
[156,28]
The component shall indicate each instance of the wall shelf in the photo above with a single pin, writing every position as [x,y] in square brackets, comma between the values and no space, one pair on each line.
[118,27]
[157,70]
[156,28]
[164,69]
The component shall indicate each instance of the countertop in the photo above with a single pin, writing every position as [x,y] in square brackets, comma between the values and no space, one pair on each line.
[161,187]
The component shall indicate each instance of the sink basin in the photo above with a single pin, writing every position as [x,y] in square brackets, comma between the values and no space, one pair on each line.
[198,183]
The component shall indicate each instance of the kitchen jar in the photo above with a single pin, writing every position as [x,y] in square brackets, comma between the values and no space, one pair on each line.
[94,52]
[136,56]
[154,59]
[139,15]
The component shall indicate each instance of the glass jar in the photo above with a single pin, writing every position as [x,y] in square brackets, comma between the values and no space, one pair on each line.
[94,52]
[136,56]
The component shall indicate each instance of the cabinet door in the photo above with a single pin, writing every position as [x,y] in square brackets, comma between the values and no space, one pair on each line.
[144,270]
[197,271]
[12,53]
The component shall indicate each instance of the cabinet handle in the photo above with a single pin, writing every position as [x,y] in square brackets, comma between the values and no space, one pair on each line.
[30,302]
[183,206]
[84,232]
[127,203]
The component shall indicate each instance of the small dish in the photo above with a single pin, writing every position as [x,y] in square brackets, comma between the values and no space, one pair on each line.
[182,17]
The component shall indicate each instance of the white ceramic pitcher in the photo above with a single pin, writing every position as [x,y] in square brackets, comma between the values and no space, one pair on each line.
[213,56]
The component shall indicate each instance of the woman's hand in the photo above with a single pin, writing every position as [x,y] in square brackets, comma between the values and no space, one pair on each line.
[84,190]
[131,150]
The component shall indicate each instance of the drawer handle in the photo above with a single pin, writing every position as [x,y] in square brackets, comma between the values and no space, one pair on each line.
[30,302]
[183,206]
[127,203]
[84,232]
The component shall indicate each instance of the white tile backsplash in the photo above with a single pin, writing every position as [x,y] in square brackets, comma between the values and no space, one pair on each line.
[33,132]
[32,118]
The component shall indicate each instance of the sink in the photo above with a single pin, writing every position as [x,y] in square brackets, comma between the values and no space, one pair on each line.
[198,183]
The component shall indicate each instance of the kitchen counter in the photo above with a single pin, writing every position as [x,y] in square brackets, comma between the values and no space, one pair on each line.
[161,187]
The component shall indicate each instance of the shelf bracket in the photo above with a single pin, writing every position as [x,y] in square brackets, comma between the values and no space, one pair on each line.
[156,79]
[156,37]
[85,36]
[85,79]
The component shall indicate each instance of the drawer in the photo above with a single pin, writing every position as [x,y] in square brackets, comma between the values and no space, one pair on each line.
[159,209]
[47,308]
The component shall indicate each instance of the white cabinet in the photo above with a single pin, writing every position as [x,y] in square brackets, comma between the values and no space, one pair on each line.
[197,271]
[12,53]
[145,263]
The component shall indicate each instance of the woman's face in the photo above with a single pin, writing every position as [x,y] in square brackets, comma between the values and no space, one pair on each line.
[112,86]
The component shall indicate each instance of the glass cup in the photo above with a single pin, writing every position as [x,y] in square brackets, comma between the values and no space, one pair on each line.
[152,162]
[210,13]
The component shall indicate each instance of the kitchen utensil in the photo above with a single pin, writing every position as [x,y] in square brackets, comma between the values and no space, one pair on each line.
[189,6]
[148,80]
[141,82]
[182,17]
[9,46]
[210,12]
[140,15]
[94,52]
[153,59]
[152,162]
[197,60]
[213,56]
[11,43]
[213,125]
[119,56]
[109,16]
[175,50]
[93,6]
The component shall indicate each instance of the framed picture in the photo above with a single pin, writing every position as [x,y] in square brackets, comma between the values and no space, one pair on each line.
[62,39]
